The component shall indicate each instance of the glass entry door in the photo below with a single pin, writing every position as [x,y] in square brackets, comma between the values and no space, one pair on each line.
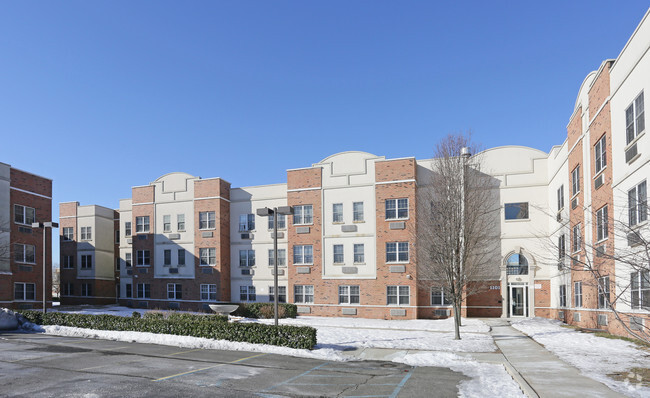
[517,298]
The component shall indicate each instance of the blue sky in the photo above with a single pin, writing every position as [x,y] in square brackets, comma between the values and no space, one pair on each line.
[104,95]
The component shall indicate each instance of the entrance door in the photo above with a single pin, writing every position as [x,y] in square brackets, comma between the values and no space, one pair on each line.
[517,299]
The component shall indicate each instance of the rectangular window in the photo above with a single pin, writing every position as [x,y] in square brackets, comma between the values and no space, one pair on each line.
[68,262]
[246,258]
[577,294]
[127,228]
[438,296]
[209,292]
[167,257]
[576,242]
[86,289]
[143,257]
[24,253]
[349,294]
[637,199]
[207,220]
[129,290]
[562,295]
[560,198]
[282,221]
[142,224]
[246,222]
[24,215]
[303,294]
[167,223]
[338,254]
[282,294]
[208,256]
[397,252]
[575,181]
[180,222]
[282,257]
[247,293]
[67,289]
[640,282]
[600,155]
[144,290]
[398,295]
[337,212]
[603,292]
[174,291]
[24,291]
[86,233]
[397,209]
[561,246]
[359,256]
[601,223]
[68,233]
[118,264]
[86,261]
[357,211]
[303,214]
[127,260]
[117,237]
[303,254]
[181,257]
[634,119]
[516,211]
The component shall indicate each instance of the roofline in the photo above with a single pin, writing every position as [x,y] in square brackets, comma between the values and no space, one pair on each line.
[631,37]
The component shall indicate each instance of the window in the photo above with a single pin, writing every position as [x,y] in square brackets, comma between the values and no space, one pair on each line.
[127,228]
[246,258]
[86,261]
[118,264]
[397,209]
[282,221]
[167,223]
[560,198]
[143,257]
[338,254]
[603,292]
[67,289]
[209,292]
[167,257]
[303,214]
[357,211]
[516,211]
[282,294]
[634,119]
[577,294]
[127,259]
[561,246]
[600,155]
[349,294]
[246,222]
[129,290]
[24,253]
[359,257]
[517,264]
[180,222]
[117,237]
[86,289]
[438,296]
[562,295]
[208,256]
[207,220]
[144,290]
[282,257]
[337,212]
[24,215]
[601,223]
[181,257]
[68,262]
[303,294]
[576,241]
[24,291]
[303,254]
[247,293]
[86,233]
[575,181]
[174,291]
[397,295]
[637,200]
[142,224]
[640,282]
[68,233]
[397,252]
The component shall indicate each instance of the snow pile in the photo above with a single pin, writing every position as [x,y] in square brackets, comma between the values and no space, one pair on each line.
[596,357]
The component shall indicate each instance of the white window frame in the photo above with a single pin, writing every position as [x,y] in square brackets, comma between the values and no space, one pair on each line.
[337,213]
[282,291]
[174,291]
[397,206]
[603,292]
[24,295]
[143,290]
[180,222]
[127,228]
[600,154]
[637,200]
[246,258]
[560,198]
[208,292]
[357,212]
[359,253]
[303,294]
[640,291]
[167,257]
[22,250]
[602,222]
[68,262]
[401,295]
[207,220]
[22,215]
[180,257]
[246,222]
[128,259]
[400,248]
[247,293]
[67,233]
[282,258]
[576,239]
[634,119]
[577,294]
[282,222]
[338,254]
[575,181]
[86,261]
[207,256]
[437,291]
[143,258]
[523,208]
[303,215]
[561,246]
[167,223]
[86,290]
[142,224]
[350,294]
[562,296]
[302,257]
[86,233]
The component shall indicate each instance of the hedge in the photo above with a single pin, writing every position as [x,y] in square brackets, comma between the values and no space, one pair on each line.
[179,324]
[265,310]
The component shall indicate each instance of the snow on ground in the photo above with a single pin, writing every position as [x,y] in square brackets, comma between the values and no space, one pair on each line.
[596,357]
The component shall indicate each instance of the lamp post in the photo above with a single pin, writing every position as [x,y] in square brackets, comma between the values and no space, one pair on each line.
[44,225]
[264,212]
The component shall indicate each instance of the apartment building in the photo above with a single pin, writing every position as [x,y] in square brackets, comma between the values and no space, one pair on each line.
[25,198]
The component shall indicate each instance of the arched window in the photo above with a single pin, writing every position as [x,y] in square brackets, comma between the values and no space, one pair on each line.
[517,265]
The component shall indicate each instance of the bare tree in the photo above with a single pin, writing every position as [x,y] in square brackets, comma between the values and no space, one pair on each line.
[455,234]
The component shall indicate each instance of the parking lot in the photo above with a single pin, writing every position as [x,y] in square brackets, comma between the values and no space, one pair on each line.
[43,365]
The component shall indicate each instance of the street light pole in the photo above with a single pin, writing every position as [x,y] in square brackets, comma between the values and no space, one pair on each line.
[44,226]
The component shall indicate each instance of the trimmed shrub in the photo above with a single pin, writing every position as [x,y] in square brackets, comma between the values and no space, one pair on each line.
[136,314]
[181,324]
[265,310]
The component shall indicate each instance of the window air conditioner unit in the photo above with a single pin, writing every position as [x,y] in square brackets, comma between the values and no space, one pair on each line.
[442,312]
[560,265]
[247,271]
[559,216]
[173,270]
[576,317]
[634,239]
[560,315]
[630,153]
[247,236]
[602,320]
